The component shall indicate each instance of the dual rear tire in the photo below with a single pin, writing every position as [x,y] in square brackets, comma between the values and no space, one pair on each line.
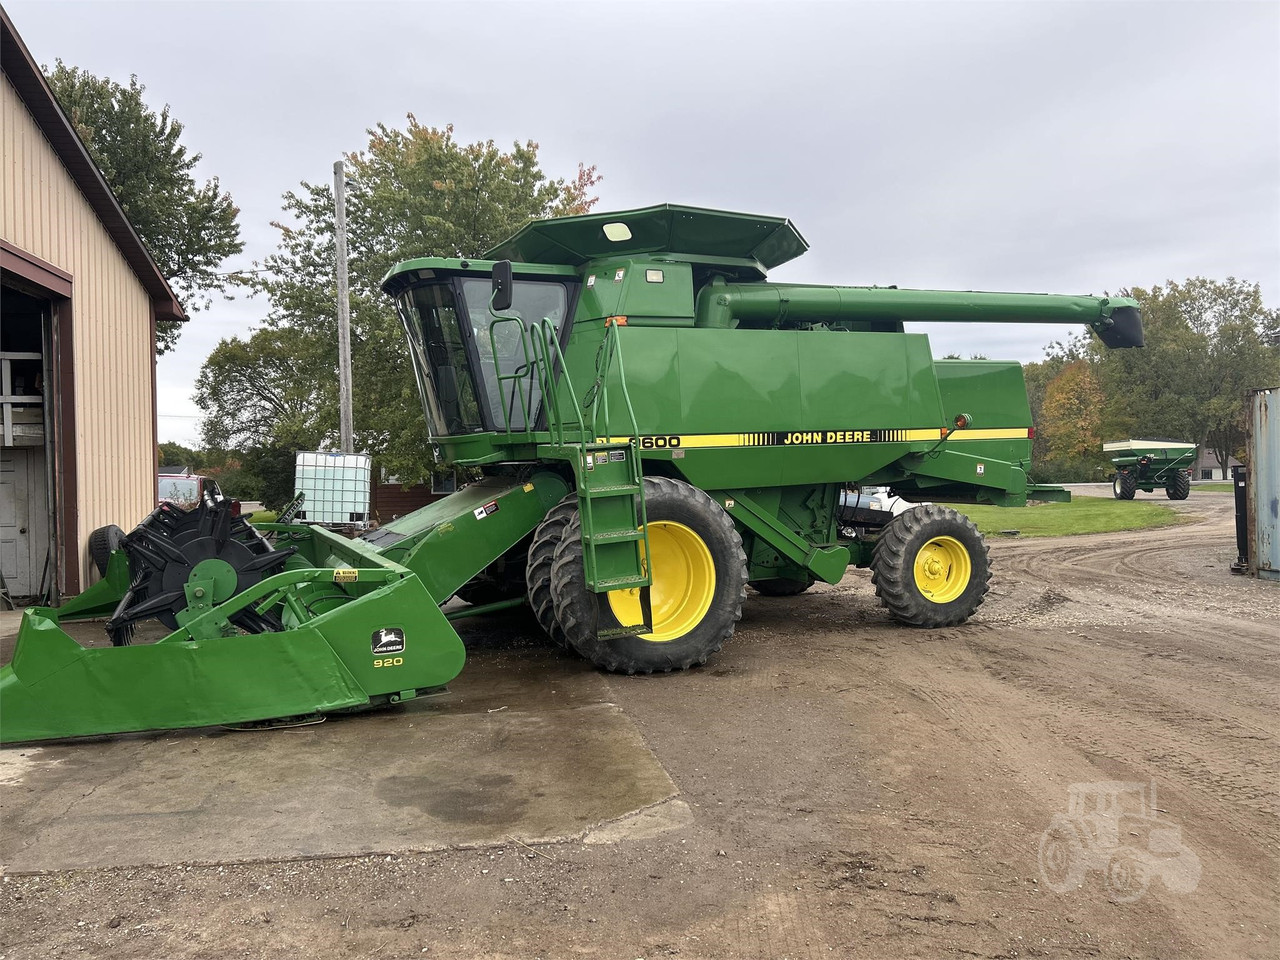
[542,554]
[699,573]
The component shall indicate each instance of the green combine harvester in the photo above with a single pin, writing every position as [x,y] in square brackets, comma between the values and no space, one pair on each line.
[656,428]
[1147,464]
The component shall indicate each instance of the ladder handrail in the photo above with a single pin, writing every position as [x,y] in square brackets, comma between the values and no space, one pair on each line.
[541,347]
[546,348]
[636,472]
[626,394]
[543,355]
[517,375]
[598,396]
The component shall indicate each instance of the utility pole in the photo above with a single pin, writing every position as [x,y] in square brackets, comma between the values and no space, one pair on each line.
[344,308]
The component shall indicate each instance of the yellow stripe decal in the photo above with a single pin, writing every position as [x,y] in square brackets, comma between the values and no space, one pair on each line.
[803,438]
[1011,434]
[810,438]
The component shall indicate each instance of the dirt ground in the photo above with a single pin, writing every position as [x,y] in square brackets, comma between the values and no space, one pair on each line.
[853,789]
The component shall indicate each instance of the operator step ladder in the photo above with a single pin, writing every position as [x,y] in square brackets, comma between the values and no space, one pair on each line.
[608,473]
[615,540]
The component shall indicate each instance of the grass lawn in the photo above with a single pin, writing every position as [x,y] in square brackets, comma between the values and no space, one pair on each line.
[263,516]
[1081,515]
[1214,487]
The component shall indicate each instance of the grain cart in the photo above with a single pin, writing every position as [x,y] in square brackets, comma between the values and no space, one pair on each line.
[656,428]
[1147,464]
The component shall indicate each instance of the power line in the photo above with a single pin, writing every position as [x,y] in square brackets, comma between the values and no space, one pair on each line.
[240,273]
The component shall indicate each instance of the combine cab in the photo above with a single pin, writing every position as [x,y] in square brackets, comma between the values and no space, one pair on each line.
[658,428]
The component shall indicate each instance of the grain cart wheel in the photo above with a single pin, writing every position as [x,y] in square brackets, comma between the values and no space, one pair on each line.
[101,542]
[542,553]
[1124,486]
[1179,486]
[699,572]
[931,567]
[780,587]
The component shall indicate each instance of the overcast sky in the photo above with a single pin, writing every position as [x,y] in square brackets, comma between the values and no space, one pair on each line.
[1050,147]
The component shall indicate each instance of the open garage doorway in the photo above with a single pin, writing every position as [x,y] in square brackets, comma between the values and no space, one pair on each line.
[28,534]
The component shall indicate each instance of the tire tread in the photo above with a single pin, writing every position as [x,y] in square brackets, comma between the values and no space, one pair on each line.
[578,608]
[892,570]
[542,553]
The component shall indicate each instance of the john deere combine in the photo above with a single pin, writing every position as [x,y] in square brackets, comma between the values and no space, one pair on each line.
[657,428]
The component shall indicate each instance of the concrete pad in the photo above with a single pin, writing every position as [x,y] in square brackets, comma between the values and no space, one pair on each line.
[673,814]
[526,745]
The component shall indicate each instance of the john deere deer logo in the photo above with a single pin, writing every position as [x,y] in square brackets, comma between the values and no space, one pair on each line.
[388,640]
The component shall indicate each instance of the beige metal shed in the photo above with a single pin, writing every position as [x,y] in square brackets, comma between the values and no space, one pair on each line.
[79,300]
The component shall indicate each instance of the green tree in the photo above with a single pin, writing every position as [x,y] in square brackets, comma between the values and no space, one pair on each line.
[176,455]
[410,193]
[271,471]
[189,227]
[256,391]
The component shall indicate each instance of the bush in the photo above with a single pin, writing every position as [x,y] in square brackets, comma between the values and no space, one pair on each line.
[1073,470]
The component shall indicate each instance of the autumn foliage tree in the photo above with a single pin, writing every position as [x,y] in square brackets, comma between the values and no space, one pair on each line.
[1072,414]
[411,192]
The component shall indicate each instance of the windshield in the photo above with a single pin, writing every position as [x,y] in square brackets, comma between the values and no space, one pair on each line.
[507,342]
[178,489]
[459,396]
[440,361]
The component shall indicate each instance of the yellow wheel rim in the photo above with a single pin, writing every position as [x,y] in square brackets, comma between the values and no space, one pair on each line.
[684,583]
[943,569]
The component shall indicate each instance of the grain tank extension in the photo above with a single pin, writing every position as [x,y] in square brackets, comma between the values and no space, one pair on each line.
[657,428]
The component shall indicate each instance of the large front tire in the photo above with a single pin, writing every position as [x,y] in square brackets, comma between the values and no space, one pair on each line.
[699,572]
[931,567]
